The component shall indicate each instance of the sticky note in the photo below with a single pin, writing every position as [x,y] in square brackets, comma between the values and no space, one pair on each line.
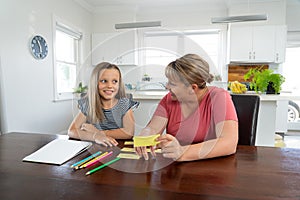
[127,149]
[131,150]
[128,156]
[128,143]
[142,141]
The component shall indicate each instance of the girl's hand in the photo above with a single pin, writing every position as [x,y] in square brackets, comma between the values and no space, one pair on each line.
[101,138]
[170,147]
[89,128]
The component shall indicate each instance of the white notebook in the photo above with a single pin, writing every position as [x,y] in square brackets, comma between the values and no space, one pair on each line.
[58,151]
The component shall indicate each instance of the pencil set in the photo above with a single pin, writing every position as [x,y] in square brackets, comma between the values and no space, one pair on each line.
[92,160]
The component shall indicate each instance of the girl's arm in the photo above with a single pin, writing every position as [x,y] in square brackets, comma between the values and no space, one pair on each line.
[79,129]
[128,127]
[75,129]
[224,144]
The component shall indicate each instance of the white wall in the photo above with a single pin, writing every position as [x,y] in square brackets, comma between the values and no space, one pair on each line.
[275,10]
[27,84]
[293,16]
[193,16]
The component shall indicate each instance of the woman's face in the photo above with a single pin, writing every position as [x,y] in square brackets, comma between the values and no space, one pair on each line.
[178,90]
[108,85]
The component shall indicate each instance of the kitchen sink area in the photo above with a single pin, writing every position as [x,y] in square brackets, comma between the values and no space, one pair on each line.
[148,94]
[147,90]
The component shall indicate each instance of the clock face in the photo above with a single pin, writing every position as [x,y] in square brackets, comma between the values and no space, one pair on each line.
[39,47]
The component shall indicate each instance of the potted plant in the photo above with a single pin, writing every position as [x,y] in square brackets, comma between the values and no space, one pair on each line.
[264,80]
[80,90]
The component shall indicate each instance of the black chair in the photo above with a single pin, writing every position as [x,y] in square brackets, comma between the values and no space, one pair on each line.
[247,108]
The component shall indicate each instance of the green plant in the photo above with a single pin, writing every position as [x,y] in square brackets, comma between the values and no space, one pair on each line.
[80,89]
[262,78]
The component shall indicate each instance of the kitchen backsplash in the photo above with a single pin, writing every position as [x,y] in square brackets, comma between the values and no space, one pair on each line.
[236,72]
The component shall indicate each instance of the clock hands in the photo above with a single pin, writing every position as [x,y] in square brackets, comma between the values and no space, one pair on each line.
[40,47]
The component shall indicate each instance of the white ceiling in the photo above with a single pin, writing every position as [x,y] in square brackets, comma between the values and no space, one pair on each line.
[93,5]
[98,3]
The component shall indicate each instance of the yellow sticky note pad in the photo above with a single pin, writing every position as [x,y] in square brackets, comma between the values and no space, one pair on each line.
[128,143]
[127,149]
[128,156]
[143,141]
[131,150]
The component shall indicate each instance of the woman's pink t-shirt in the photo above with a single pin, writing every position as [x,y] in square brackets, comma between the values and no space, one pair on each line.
[216,106]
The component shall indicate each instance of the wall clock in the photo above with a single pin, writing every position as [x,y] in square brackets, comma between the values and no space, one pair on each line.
[39,47]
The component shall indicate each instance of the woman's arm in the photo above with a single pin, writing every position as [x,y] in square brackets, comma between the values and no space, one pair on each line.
[224,144]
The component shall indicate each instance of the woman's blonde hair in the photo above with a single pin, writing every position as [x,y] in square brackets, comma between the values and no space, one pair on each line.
[190,69]
[95,111]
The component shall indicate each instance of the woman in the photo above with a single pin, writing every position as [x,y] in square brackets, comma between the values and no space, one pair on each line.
[105,114]
[200,121]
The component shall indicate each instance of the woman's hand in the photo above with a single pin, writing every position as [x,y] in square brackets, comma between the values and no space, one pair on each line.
[170,147]
[142,151]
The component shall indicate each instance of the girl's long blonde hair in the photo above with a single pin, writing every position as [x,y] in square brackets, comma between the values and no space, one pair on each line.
[95,112]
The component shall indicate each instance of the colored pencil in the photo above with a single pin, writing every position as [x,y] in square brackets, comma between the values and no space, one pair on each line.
[86,159]
[98,160]
[84,165]
[91,160]
[102,166]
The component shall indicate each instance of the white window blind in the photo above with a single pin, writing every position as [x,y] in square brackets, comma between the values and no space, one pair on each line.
[66,45]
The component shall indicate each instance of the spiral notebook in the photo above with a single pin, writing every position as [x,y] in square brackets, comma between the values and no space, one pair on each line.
[58,151]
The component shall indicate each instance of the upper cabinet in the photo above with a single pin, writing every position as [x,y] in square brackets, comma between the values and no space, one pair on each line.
[280,45]
[117,48]
[256,44]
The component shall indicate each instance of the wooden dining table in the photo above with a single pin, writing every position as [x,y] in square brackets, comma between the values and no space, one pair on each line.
[251,173]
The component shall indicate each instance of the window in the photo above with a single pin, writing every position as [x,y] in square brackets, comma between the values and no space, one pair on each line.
[290,68]
[163,47]
[291,65]
[66,61]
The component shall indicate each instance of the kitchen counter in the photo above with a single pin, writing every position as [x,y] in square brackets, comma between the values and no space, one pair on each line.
[272,117]
[147,94]
[276,97]
[159,94]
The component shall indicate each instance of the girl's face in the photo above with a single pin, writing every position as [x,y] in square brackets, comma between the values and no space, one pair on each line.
[108,85]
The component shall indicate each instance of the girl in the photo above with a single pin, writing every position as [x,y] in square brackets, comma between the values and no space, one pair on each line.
[105,113]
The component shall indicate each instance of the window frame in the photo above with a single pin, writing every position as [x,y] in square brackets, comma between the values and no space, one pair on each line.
[76,35]
[220,66]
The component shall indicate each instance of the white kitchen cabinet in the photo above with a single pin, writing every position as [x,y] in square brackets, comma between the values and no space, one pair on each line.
[117,48]
[280,45]
[257,44]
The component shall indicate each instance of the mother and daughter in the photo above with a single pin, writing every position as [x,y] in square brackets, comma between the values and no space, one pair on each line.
[200,120]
